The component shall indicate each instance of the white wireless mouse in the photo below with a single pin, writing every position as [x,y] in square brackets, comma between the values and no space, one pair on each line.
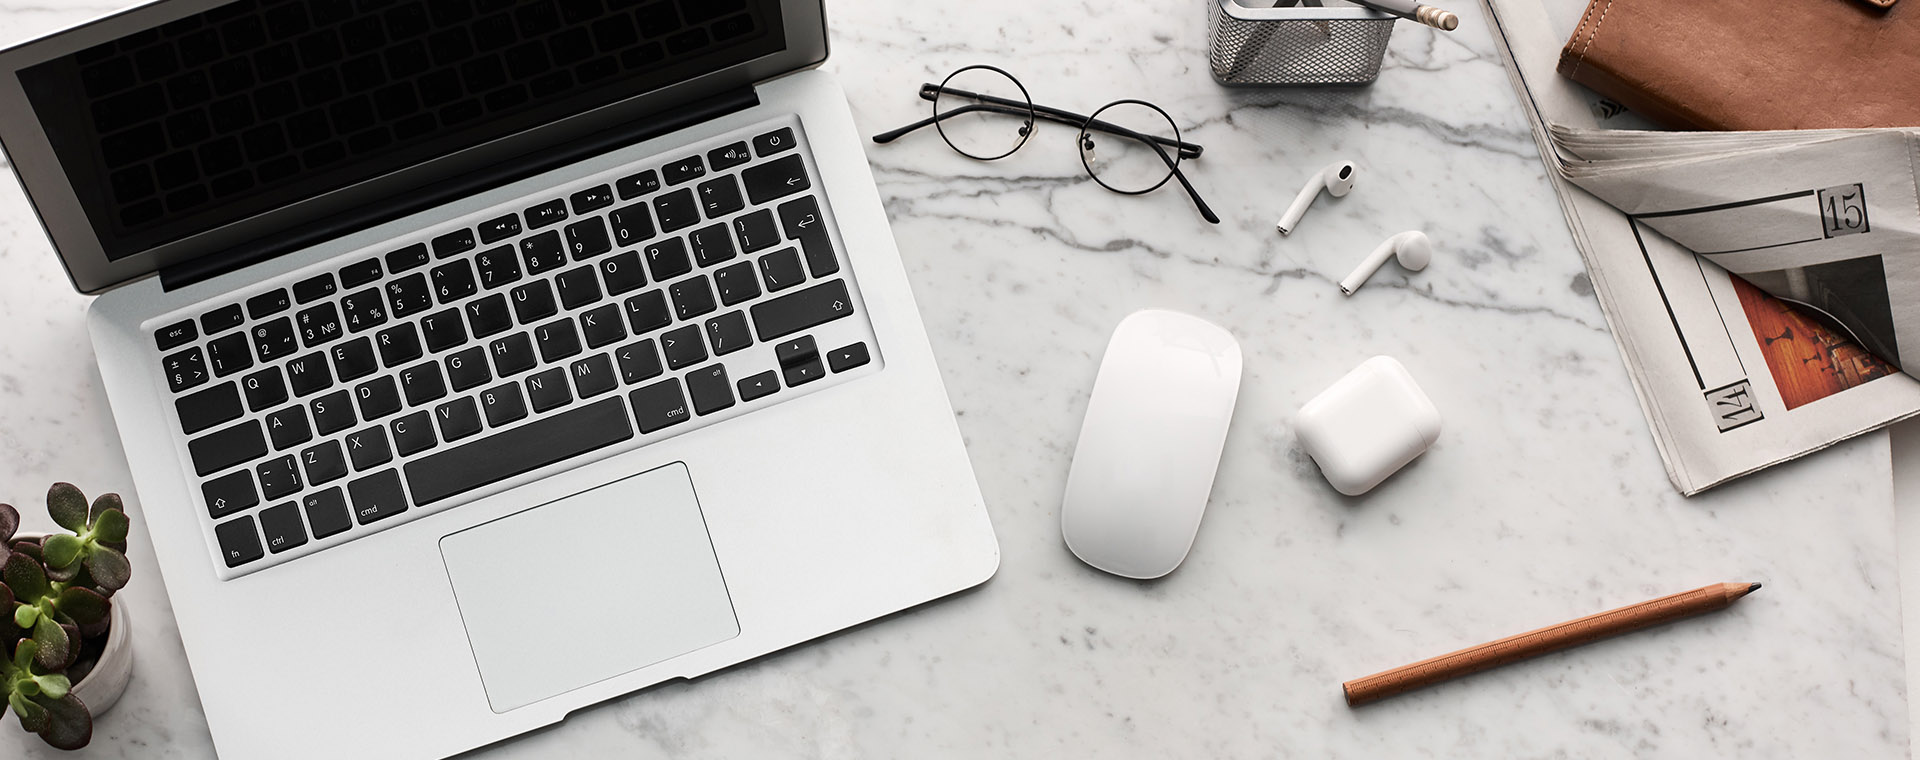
[1150,443]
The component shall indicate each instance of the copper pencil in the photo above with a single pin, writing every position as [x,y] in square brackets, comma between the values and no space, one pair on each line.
[1552,638]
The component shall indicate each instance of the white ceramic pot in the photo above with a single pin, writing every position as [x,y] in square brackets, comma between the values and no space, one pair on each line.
[108,680]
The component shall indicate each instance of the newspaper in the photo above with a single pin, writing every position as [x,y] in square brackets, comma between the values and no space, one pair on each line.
[1802,348]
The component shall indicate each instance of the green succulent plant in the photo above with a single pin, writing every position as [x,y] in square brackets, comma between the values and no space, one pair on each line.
[55,596]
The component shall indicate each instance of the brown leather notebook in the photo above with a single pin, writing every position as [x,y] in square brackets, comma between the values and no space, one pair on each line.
[1742,64]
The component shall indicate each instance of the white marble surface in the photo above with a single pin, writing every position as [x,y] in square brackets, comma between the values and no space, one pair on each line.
[1544,499]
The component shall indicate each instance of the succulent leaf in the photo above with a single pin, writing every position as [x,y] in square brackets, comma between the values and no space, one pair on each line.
[69,725]
[33,717]
[28,686]
[107,501]
[66,574]
[6,598]
[54,685]
[24,575]
[61,550]
[27,546]
[25,616]
[52,638]
[24,653]
[109,568]
[67,506]
[109,525]
[83,605]
[9,523]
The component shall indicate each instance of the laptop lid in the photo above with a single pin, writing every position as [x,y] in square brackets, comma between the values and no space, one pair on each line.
[186,130]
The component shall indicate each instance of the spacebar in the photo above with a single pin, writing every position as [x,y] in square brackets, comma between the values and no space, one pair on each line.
[528,447]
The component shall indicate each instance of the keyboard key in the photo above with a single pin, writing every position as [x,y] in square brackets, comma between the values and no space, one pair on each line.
[676,210]
[692,297]
[602,326]
[318,324]
[274,340]
[728,333]
[468,369]
[452,281]
[268,304]
[801,310]
[363,310]
[848,357]
[638,361]
[459,418]
[776,179]
[631,225]
[503,404]
[175,335]
[264,388]
[324,463]
[498,266]
[489,315]
[710,389]
[543,253]
[224,318]
[229,493]
[443,330]
[327,513]
[422,383]
[801,220]
[711,245]
[668,259]
[800,361]
[512,354]
[546,214]
[377,398]
[355,275]
[757,231]
[283,528]
[684,170]
[578,287]
[239,544]
[557,340]
[720,196]
[759,386]
[659,406]
[313,288]
[529,447]
[377,496]
[187,369]
[353,359]
[547,390]
[229,354]
[736,283]
[217,451]
[407,258]
[368,448]
[638,185]
[208,408]
[288,428]
[648,312]
[495,230]
[588,238]
[728,157]
[781,270]
[333,412]
[533,302]
[593,376]
[804,372]
[453,243]
[413,433]
[398,344]
[409,295]
[683,347]
[592,199]
[278,478]
[623,273]
[773,142]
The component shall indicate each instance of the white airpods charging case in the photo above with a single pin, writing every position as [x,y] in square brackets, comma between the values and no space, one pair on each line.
[1368,425]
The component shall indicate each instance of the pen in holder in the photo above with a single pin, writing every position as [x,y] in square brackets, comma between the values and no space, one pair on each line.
[1294,46]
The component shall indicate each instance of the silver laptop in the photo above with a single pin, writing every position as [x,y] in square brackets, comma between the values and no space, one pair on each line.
[479,360]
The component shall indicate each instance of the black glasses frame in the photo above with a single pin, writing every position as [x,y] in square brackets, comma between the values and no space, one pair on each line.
[1033,112]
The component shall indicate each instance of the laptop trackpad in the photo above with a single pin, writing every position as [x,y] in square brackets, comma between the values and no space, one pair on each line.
[588,587]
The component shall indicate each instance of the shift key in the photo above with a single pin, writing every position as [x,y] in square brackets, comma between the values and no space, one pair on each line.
[800,310]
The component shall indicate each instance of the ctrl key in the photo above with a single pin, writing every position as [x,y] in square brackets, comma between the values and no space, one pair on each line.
[377,497]
[239,543]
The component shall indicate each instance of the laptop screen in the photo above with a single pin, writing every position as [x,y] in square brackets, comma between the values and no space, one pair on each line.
[256,105]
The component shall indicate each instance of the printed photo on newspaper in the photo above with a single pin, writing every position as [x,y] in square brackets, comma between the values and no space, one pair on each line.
[1761,285]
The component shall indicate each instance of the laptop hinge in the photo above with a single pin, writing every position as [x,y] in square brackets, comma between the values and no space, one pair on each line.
[462,186]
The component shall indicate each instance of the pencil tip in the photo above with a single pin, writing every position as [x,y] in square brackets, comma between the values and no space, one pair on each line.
[1753,588]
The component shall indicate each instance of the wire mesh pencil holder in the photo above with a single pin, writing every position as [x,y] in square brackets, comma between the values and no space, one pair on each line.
[1295,46]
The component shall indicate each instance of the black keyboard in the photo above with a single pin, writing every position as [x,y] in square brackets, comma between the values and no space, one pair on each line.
[598,317]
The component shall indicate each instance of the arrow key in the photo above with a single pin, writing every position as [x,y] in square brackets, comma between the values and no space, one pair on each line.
[758,386]
[848,357]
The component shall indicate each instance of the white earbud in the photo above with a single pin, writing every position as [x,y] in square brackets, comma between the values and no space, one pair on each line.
[1413,248]
[1336,179]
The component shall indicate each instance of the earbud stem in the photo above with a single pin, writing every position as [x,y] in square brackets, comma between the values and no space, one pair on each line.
[1368,266]
[1291,219]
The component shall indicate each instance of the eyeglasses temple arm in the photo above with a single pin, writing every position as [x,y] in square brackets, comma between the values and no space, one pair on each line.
[1206,212]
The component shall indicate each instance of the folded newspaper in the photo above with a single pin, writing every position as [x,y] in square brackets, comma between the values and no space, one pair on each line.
[1761,285]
